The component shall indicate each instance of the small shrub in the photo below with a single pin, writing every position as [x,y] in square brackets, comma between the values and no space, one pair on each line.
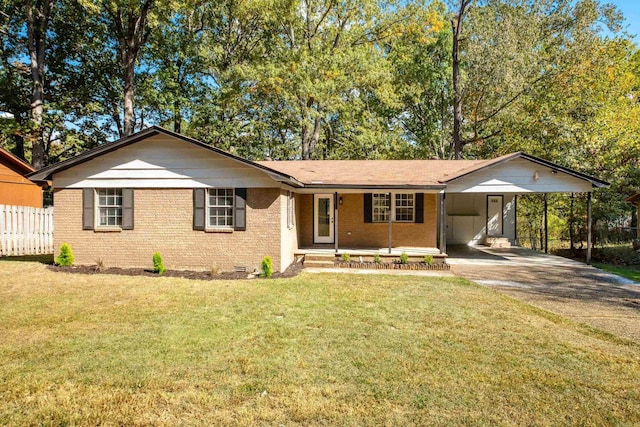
[158,265]
[376,259]
[214,270]
[267,267]
[99,264]
[346,257]
[65,259]
[428,259]
[404,258]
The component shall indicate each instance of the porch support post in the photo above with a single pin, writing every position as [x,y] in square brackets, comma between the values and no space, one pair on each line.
[443,223]
[335,220]
[390,226]
[589,243]
[546,225]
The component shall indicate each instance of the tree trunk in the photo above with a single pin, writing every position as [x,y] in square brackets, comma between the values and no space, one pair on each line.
[310,137]
[37,23]
[128,59]
[456,29]
[131,36]
[177,116]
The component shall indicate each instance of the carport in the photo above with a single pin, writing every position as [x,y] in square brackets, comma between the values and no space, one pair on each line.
[479,206]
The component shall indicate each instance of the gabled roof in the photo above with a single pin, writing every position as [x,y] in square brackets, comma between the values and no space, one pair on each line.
[425,174]
[15,163]
[47,172]
[520,155]
[400,173]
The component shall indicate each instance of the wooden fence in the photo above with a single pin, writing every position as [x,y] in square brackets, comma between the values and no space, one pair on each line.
[25,230]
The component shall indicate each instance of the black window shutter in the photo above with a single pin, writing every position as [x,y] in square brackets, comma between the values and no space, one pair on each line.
[419,208]
[87,209]
[127,208]
[199,195]
[240,212]
[368,208]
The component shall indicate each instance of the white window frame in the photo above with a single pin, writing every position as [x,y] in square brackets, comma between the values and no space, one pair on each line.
[209,206]
[411,207]
[98,207]
[394,208]
[291,210]
[380,207]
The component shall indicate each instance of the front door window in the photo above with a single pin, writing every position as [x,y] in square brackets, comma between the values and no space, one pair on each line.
[323,218]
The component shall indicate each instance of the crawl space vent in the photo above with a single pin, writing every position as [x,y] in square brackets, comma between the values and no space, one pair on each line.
[239,269]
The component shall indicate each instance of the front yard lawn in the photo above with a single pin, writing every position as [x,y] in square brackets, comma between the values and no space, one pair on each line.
[316,349]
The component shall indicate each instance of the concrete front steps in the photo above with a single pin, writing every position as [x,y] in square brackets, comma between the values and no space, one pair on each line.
[320,260]
[497,242]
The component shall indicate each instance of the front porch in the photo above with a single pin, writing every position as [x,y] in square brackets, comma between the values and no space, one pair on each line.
[324,256]
[412,252]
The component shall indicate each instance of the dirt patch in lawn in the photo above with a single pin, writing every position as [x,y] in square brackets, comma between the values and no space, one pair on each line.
[292,271]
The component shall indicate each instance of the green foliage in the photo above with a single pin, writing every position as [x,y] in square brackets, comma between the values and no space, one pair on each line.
[267,267]
[158,265]
[65,259]
[346,257]
[428,259]
[404,258]
[376,258]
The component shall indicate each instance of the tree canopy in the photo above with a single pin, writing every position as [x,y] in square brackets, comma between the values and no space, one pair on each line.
[327,79]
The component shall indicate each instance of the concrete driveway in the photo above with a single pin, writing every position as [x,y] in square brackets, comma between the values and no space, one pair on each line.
[563,286]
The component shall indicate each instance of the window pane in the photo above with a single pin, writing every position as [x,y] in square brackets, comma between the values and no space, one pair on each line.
[109,206]
[220,207]
[380,207]
[404,207]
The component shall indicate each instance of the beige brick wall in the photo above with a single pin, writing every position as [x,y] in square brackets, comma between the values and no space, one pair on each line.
[163,222]
[354,232]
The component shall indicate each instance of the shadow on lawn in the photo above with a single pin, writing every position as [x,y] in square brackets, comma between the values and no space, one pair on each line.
[44,259]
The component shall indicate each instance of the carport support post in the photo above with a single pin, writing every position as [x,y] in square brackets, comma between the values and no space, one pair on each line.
[443,223]
[546,225]
[589,243]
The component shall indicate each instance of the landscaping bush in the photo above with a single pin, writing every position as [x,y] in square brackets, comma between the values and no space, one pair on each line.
[428,259]
[158,266]
[404,258]
[376,259]
[346,257]
[65,259]
[267,267]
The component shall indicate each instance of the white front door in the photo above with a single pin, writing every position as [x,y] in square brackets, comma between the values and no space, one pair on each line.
[323,218]
[494,215]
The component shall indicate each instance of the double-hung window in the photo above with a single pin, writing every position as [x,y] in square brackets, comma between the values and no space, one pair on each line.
[109,207]
[220,208]
[404,207]
[380,207]
[401,206]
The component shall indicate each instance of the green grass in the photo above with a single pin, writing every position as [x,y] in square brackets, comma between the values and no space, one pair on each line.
[632,273]
[313,350]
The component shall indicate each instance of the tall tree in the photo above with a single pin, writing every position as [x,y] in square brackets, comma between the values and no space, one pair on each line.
[38,15]
[456,31]
[129,22]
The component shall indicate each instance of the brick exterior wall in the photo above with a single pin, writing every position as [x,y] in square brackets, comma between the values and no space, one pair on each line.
[353,232]
[163,221]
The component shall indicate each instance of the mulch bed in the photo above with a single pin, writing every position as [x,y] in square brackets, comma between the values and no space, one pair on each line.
[393,265]
[293,270]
